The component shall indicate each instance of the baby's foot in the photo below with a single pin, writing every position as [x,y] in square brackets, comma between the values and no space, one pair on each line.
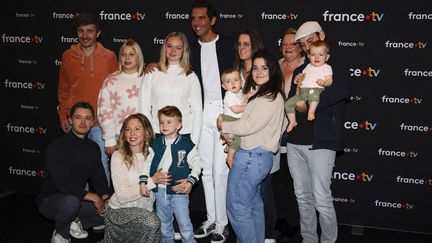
[229,162]
[291,126]
[311,117]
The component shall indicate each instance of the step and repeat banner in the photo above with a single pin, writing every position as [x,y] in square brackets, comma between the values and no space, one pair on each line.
[384,177]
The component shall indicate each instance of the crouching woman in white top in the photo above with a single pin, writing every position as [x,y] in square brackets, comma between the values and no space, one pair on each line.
[259,129]
[130,216]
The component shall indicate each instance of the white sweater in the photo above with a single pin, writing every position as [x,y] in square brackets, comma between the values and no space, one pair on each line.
[126,182]
[118,98]
[173,88]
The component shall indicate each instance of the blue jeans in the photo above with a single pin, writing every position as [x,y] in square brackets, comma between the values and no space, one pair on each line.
[311,171]
[168,205]
[244,204]
[95,135]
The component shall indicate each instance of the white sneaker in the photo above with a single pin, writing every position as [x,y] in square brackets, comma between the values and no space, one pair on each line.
[206,228]
[220,234]
[77,231]
[58,238]
[269,241]
[177,236]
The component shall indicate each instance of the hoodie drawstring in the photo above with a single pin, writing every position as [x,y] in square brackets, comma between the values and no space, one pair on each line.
[91,64]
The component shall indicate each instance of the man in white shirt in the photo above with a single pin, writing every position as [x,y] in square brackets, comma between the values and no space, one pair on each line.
[211,54]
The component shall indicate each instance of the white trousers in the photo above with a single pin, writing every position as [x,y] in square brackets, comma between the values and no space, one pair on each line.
[213,161]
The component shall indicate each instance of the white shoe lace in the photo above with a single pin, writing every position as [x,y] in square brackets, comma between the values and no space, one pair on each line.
[206,224]
[219,230]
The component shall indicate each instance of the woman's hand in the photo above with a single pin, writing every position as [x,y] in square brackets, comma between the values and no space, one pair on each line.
[161,177]
[144,191]
[149,68]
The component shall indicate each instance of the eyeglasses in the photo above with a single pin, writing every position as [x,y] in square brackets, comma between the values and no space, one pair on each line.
[243,44]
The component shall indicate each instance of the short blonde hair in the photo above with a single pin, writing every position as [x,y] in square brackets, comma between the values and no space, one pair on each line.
[185,59]
[132,43]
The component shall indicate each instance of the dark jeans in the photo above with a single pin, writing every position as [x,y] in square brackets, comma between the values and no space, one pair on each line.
[286,202]
[270,213]
[64,208]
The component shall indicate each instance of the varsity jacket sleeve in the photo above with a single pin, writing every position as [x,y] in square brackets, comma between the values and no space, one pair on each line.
[194,161]
[105,114]
[145,171]
[195,101]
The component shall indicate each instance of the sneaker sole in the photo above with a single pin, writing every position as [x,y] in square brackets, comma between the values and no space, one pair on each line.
[221,241]
[203,235]
[78,236]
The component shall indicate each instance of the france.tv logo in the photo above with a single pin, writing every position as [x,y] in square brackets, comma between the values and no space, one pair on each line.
[366,125]
[26,172]
[26,129]
[349,176]
[371,72]
[37,85]
[397,205]
[35,39]
[122,16]
[353,17]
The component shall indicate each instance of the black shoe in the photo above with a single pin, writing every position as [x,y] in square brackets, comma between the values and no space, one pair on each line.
[206,228]
[220,234]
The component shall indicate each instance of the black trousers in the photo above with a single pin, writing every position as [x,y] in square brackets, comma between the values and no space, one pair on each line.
[64,208]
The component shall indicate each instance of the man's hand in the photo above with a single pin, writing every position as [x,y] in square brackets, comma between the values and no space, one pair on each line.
[110,150]
[97,202]
[65,126]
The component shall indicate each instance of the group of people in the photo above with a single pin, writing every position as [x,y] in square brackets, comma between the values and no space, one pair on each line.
[211,109]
